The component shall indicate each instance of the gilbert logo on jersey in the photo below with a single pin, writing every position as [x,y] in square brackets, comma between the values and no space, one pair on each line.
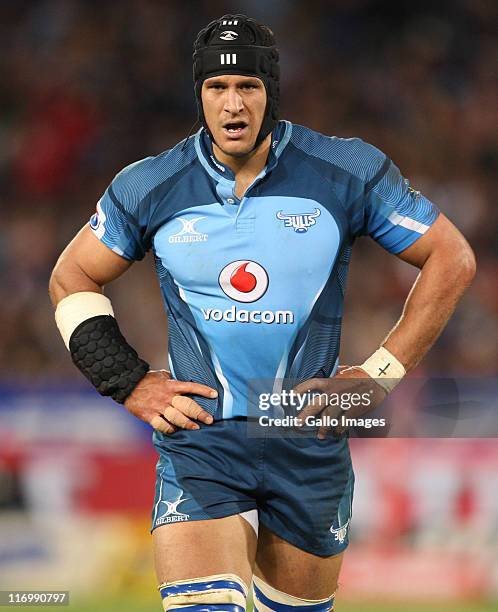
[188,233]
[245,281]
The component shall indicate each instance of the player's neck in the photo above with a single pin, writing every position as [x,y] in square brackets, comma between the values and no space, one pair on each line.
[249,165]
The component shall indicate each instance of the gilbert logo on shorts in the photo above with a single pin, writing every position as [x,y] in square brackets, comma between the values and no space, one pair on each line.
[172,515]
[188,232]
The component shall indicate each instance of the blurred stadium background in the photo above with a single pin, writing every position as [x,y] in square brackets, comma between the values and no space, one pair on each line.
[88,87]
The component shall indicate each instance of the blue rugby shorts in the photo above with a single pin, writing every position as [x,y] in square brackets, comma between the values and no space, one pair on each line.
[302,487]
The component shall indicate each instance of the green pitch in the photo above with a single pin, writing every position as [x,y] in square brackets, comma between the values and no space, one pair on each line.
[115,605]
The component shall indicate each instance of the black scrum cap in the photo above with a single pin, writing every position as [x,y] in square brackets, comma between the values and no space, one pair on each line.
[236,44]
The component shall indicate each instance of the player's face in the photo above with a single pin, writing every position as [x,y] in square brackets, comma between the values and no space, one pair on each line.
[234,107]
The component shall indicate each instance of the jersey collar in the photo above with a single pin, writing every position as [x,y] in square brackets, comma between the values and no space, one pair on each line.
[204,149]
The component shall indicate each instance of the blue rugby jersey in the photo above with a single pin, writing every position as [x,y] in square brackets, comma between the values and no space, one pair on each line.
[254,288]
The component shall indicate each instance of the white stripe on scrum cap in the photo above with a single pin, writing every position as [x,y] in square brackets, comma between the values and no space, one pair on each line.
[72,310]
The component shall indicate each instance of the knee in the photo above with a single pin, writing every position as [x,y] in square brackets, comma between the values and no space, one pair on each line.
[268,598]
[224,592]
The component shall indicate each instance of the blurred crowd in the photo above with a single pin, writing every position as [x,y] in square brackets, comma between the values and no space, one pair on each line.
[88,87]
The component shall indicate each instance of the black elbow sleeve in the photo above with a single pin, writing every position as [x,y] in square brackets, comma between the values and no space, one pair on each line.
[100,351]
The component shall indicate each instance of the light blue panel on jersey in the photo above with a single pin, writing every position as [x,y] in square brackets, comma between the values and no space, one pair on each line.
[250,280]
[255,289]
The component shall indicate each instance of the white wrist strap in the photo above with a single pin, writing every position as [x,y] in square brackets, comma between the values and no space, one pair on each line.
[78,307]
[384,368]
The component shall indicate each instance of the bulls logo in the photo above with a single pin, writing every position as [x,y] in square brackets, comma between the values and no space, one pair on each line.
[300,222]
[244,280]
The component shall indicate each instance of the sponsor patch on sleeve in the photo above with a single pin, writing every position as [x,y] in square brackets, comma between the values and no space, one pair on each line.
[97,220]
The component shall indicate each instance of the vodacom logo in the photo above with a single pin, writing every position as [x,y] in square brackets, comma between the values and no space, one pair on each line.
[244,280]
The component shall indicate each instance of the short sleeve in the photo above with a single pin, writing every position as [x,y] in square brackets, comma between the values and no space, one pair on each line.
[395,214]
[117,222]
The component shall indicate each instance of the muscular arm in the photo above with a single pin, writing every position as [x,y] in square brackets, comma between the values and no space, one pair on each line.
[447,267]
[86,264]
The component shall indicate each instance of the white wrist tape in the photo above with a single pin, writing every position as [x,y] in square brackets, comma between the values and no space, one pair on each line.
[78,307]
[384,368]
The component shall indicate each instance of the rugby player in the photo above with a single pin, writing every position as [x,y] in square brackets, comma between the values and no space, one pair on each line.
[251,222]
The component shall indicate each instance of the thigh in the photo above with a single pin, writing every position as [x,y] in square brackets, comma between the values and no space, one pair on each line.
[294,571]
[202,548]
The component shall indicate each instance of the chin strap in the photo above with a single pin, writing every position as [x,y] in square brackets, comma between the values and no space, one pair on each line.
[191,131]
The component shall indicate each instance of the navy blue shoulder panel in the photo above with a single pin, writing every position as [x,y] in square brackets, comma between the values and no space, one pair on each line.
[348,168]
[190,187]
[139,189]
[132,185]
[300,175]
[351,156]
